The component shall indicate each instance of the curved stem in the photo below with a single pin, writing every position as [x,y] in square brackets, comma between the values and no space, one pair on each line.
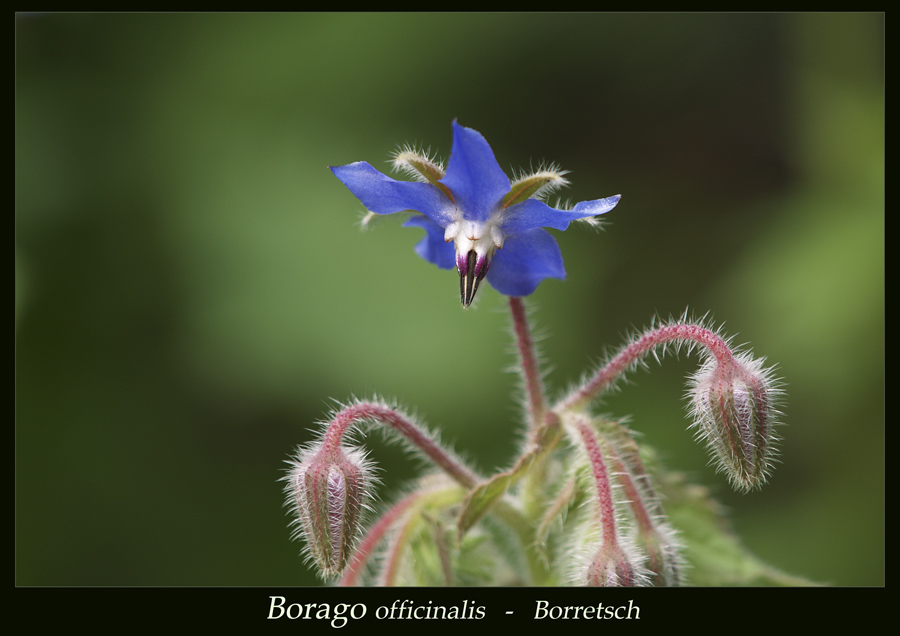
[634,352]
[377,412]
[392,561]
[373,537]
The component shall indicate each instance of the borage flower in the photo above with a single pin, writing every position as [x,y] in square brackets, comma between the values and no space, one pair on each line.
[495,225]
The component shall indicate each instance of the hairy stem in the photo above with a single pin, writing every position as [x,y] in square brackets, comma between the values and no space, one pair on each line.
[531,374]
[376,533]
[634,352]
[376,412]
[601,479]
[404,523]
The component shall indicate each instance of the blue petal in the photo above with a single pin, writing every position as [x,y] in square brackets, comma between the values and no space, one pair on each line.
[473,175]
[383,195]
[433,248]
[533,213]
[525,260]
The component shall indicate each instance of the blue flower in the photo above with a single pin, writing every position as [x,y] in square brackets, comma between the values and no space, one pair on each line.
[473,216]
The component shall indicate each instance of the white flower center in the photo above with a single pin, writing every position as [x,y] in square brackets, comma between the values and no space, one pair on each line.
[481,237]
[476,242]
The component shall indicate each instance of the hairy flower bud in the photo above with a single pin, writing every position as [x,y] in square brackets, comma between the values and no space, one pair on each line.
[328,491]
[735,415]
[613,566]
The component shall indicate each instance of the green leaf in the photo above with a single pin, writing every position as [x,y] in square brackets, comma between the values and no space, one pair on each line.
[715,555]
[485,495]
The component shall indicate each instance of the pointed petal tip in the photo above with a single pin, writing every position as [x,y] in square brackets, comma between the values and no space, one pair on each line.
[611,201]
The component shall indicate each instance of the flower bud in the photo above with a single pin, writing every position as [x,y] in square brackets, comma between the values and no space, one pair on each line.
[329,491]
[613,566]
[734,413]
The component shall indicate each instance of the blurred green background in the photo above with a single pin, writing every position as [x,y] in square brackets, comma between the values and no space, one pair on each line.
[193,289]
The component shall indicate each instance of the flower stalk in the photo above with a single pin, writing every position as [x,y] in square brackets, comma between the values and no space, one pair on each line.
[535,397]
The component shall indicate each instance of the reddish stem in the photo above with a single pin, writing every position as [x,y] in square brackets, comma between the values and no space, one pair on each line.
[633,494]
[373,411]
[373,537]
[601,479]
[534,386]
[632,353]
